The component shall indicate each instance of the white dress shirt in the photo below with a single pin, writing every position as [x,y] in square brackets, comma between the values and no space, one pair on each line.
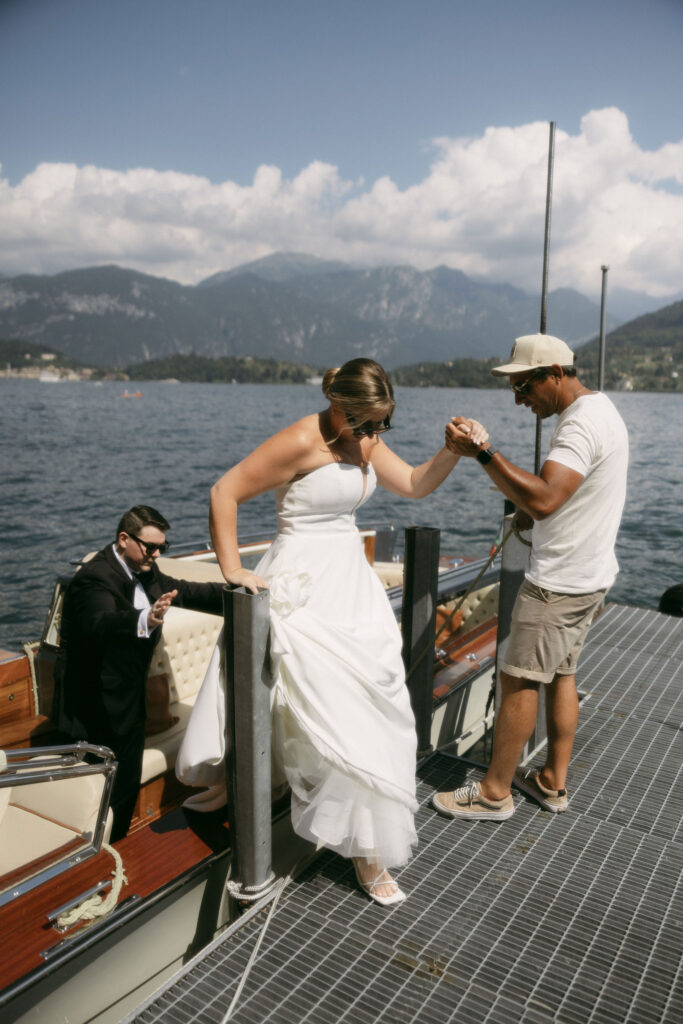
[140,599]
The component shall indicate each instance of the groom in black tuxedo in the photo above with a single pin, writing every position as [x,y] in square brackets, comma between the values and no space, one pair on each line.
[111,621]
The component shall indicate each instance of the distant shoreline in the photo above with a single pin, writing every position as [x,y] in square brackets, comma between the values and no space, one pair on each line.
[141,382]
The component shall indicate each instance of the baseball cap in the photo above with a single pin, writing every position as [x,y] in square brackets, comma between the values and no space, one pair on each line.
[534,350]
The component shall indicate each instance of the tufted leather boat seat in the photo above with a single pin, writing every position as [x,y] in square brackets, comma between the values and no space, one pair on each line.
[183,655]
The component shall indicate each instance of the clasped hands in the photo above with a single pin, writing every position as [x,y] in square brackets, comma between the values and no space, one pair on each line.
[466,436]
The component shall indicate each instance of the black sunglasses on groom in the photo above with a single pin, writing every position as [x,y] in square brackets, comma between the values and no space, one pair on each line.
[149,548]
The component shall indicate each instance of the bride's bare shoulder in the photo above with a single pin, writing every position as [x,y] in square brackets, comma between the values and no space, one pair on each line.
[299,444]
[303,432]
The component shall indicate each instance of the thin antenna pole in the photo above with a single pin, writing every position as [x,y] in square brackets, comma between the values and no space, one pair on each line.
[546,261]
[546,237]
[601,364]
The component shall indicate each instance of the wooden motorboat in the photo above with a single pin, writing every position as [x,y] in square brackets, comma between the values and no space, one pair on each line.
[166,881]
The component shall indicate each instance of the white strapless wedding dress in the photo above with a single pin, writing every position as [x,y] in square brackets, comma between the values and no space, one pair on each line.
[344,732]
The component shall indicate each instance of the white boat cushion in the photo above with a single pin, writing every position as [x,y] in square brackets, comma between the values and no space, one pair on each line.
[197,571]
[390,573]
[27,836]
[162,748]
[73,803]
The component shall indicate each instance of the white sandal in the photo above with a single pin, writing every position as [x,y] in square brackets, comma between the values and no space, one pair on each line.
[369,887]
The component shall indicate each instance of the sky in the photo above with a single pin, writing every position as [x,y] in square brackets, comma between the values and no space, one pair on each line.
[184,137]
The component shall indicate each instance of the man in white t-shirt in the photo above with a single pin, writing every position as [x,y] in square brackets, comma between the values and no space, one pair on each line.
[575,504]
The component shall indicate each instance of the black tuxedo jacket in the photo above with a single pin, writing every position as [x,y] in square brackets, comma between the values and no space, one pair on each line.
[102,664]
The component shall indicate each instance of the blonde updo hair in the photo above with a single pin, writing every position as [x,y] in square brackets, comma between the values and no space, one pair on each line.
[360,388]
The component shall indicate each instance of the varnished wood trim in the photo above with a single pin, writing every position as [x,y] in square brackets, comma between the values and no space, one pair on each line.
[157,797]
[481,642]
[32,732]
[14,668]
[15,700]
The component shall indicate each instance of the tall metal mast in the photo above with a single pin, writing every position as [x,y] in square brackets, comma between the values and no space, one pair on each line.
[546,260]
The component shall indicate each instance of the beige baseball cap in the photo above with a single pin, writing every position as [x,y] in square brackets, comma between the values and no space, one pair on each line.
[534,350]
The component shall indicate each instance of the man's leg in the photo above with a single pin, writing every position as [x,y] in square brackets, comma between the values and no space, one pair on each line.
[515,722]
[129,751]
[562,715]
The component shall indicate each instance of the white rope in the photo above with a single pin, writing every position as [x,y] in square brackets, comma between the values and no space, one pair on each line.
[282,885]
[97,906]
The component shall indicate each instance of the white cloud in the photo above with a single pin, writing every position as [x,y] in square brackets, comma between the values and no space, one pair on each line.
[480,209]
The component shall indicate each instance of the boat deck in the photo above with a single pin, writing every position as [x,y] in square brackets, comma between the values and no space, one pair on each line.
[574,918]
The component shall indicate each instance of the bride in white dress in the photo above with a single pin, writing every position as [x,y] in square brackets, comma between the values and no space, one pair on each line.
[343,725]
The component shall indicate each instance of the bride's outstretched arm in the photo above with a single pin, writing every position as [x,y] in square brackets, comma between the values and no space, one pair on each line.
[408,481]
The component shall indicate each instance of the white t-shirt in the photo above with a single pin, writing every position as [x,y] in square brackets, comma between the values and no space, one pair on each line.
[573,549]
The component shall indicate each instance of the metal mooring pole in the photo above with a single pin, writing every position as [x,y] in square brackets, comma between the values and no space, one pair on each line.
[247,694]
[601,354]
[418,625]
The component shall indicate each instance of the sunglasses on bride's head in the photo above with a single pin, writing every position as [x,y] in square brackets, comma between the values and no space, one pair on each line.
[369,427]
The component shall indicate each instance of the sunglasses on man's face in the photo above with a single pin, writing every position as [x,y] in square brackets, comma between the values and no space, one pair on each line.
[149,548]
[369,427]
[523,388]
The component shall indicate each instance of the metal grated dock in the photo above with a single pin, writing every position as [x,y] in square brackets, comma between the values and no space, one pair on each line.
[571,918]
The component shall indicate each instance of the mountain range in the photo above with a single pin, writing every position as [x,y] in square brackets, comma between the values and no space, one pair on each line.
[287,306]
[645,354]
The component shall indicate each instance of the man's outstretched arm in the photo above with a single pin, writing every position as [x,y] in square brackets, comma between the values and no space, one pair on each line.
[538,496]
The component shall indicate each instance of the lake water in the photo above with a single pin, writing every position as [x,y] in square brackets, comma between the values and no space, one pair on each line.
[76,455]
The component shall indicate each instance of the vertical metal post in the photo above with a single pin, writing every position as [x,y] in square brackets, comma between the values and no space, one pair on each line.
[601,363]
[418,625]
[248,741]
[546,264]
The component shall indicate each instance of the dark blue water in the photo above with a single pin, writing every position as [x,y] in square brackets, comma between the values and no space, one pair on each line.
[75,455]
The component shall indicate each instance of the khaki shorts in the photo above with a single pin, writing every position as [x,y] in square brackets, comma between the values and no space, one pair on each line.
[547,632]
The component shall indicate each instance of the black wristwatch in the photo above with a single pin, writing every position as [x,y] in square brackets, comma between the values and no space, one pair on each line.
[485,456]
